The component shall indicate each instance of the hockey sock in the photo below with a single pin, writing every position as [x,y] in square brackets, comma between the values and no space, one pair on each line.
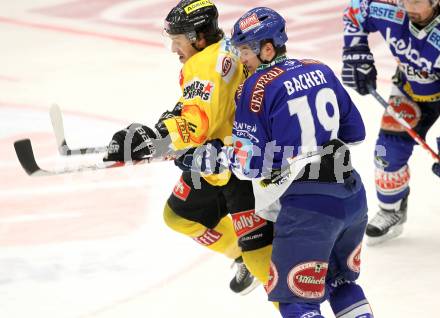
[300,310]
[221,238]
[258,262]
[348,301]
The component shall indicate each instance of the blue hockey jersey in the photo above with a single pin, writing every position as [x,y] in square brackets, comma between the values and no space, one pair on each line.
[288,109]
[416,51]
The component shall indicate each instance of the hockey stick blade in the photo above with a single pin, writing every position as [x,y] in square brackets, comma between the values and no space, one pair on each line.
[56,118]
[25,154]
[436,169]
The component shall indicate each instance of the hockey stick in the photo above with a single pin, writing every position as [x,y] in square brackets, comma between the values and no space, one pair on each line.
[25,154]
[390,110]
[56,118]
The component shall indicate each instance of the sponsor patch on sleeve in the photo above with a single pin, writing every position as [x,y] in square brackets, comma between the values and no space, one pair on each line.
[387,12]
[258,92]
[434,38]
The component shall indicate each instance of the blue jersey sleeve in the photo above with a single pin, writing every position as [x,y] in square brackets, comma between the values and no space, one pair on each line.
[357,23]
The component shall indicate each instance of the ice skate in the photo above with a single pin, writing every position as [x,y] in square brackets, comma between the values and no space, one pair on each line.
[387,224]
[243,282]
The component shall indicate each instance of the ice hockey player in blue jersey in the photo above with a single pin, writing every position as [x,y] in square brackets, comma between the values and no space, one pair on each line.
[411,29]
[289,112]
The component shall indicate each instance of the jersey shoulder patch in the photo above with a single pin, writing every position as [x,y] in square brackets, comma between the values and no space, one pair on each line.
[259,90]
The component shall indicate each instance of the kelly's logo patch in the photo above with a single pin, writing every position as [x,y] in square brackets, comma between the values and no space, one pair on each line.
[246,222]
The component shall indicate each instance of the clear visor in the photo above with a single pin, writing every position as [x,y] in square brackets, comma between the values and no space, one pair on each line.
[175,42]
[248,50]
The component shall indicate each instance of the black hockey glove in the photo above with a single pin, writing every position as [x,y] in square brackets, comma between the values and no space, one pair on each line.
[211,158]
[132,143]
[160,126]
[358,69]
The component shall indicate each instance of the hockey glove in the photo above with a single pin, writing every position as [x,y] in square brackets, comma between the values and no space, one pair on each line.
[358,70]
[160,126]
[211,158]
[132,143]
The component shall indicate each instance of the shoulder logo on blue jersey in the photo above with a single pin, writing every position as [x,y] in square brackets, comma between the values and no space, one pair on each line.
[434,38]
[387,12]
[260,86]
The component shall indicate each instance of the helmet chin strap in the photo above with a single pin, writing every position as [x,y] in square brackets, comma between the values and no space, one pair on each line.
[264,61]
[196,48]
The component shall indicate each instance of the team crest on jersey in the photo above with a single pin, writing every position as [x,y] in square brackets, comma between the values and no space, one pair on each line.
[258,92]
[197,123]
[307,280]
[273,278]
[354,260]
[181,190]
[198,89]
[246,222]
[249,23]
[226,65]
[182,128]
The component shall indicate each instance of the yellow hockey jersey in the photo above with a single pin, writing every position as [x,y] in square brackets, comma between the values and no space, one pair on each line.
[208,81]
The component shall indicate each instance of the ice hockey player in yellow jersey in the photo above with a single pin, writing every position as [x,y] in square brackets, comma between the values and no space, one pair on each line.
[211,209]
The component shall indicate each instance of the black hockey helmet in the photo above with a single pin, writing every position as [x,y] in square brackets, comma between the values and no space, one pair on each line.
[190,17]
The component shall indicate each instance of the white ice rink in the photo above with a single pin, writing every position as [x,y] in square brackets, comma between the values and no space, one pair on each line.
[93,245]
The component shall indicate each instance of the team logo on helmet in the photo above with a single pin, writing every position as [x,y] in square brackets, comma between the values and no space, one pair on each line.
[249,23]
[197,5]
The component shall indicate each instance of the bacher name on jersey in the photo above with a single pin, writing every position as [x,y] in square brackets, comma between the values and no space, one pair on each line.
[417,51]
[291,108]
